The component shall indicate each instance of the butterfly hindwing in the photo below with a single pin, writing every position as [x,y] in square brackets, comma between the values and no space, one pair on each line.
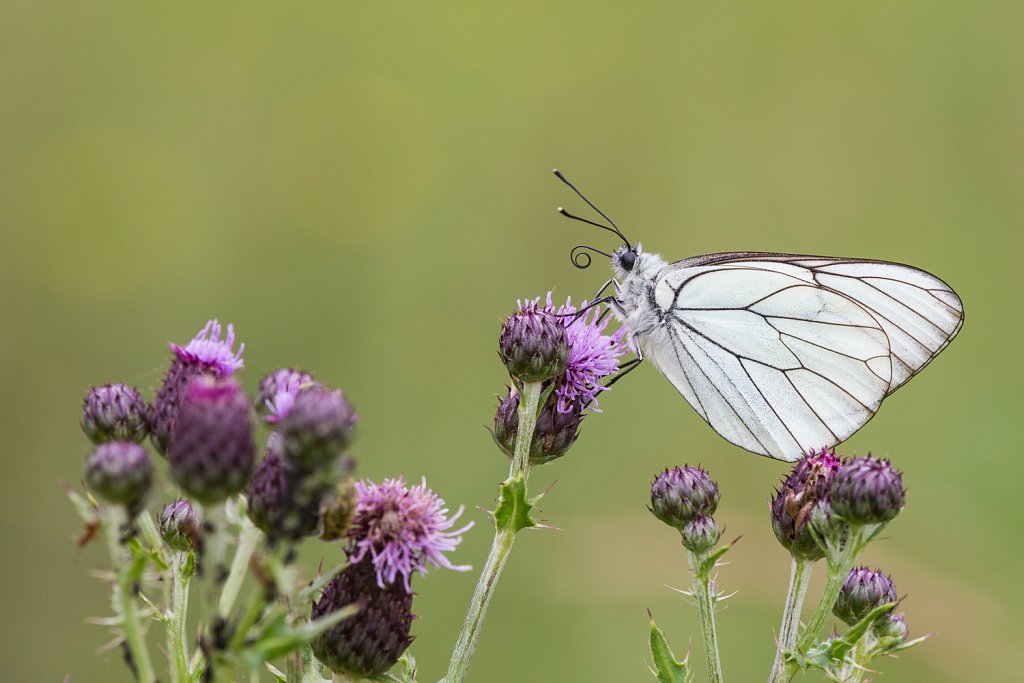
[783,353]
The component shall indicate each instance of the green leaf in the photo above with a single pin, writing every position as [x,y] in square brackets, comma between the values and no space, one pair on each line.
[666,668]
[841,646]
[708,562]
[513,511]
[276,673]
[308,594]
[278,638]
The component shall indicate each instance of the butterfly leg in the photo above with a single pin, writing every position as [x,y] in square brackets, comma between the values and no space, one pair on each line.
[611,281]
[624,370]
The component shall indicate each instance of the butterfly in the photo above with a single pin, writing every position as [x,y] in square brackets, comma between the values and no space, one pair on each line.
[779,353]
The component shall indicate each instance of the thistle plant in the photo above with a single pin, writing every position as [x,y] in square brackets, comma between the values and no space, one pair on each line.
[212,519]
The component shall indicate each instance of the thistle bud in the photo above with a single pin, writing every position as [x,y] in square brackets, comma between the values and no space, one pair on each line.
[205,354]
[317,429]
[533,344]
[279,502]
[115,412]
[863,590]
[278,392]
[120,472]
[867,490]
[337,510]
[682,493]
[211,450]
[893,626]
[180,526]
[797,497]
[554,434]
[370,642]
[700,534]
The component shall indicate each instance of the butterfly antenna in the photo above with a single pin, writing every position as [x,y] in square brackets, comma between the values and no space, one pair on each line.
[614,228]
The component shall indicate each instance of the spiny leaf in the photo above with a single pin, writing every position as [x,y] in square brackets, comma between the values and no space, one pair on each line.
[513,511]
[666,668]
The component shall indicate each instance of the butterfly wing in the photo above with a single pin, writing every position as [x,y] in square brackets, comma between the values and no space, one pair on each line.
[782,353]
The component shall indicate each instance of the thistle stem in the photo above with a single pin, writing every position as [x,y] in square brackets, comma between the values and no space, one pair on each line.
[704,595]
[799,577]
[504,537]
[247,542]
[113,518]
[181,576]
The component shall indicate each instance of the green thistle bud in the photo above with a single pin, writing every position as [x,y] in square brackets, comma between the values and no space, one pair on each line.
[533,344]
[700,534]
[893,627]
[180,526]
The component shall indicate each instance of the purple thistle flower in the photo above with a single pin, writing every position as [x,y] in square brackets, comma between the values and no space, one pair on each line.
[120,472]
[593,355]
[402,529]
[207,349]
[205,354]
[278,391]
[533,344]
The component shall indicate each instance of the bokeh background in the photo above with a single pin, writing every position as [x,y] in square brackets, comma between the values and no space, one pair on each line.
[363,189]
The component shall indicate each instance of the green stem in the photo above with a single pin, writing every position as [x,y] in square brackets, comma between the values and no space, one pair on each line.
[344,678]
[181,576]
[247,542]
[799,577]
[120,557]
[704,594]
[529,408]
[310,667]
[504,537]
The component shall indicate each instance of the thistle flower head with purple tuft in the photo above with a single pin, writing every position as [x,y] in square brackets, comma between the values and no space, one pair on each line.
[278,391]
[402,529]
[207,349]
[593,355]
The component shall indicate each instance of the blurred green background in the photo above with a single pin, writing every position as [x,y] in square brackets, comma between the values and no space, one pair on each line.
[365,191]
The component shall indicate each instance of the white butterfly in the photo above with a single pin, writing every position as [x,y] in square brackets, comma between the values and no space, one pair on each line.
[779,353]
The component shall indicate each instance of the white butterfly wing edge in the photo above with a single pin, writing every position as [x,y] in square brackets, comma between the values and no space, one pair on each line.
[782,353]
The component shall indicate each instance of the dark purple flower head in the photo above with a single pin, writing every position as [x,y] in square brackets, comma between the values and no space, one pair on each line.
[700,534]
[205,354]
[211,450]
[682,493]
[207,350]
[863,590]
[867,490]
[120,472]
[555,431]
[797,496]
[402,529]
[115,412]
[278,391]
[593,355]
[533,344]
[180,526]
[370,642]
[283,502]
[319,426]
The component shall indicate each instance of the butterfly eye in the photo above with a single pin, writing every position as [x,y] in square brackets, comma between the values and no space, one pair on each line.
[627,260]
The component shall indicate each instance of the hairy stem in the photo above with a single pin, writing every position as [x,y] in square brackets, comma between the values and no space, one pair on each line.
[113,519]
[177,643]
[704,595]
[799,577]
[504,537]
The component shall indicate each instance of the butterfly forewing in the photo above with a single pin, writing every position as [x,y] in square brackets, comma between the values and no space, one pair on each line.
[783,353]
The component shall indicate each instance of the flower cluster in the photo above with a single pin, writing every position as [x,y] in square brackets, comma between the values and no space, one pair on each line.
[203,422]
[685,498]
[571,354]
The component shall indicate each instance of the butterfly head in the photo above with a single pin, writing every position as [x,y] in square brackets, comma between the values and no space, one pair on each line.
[625,259]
